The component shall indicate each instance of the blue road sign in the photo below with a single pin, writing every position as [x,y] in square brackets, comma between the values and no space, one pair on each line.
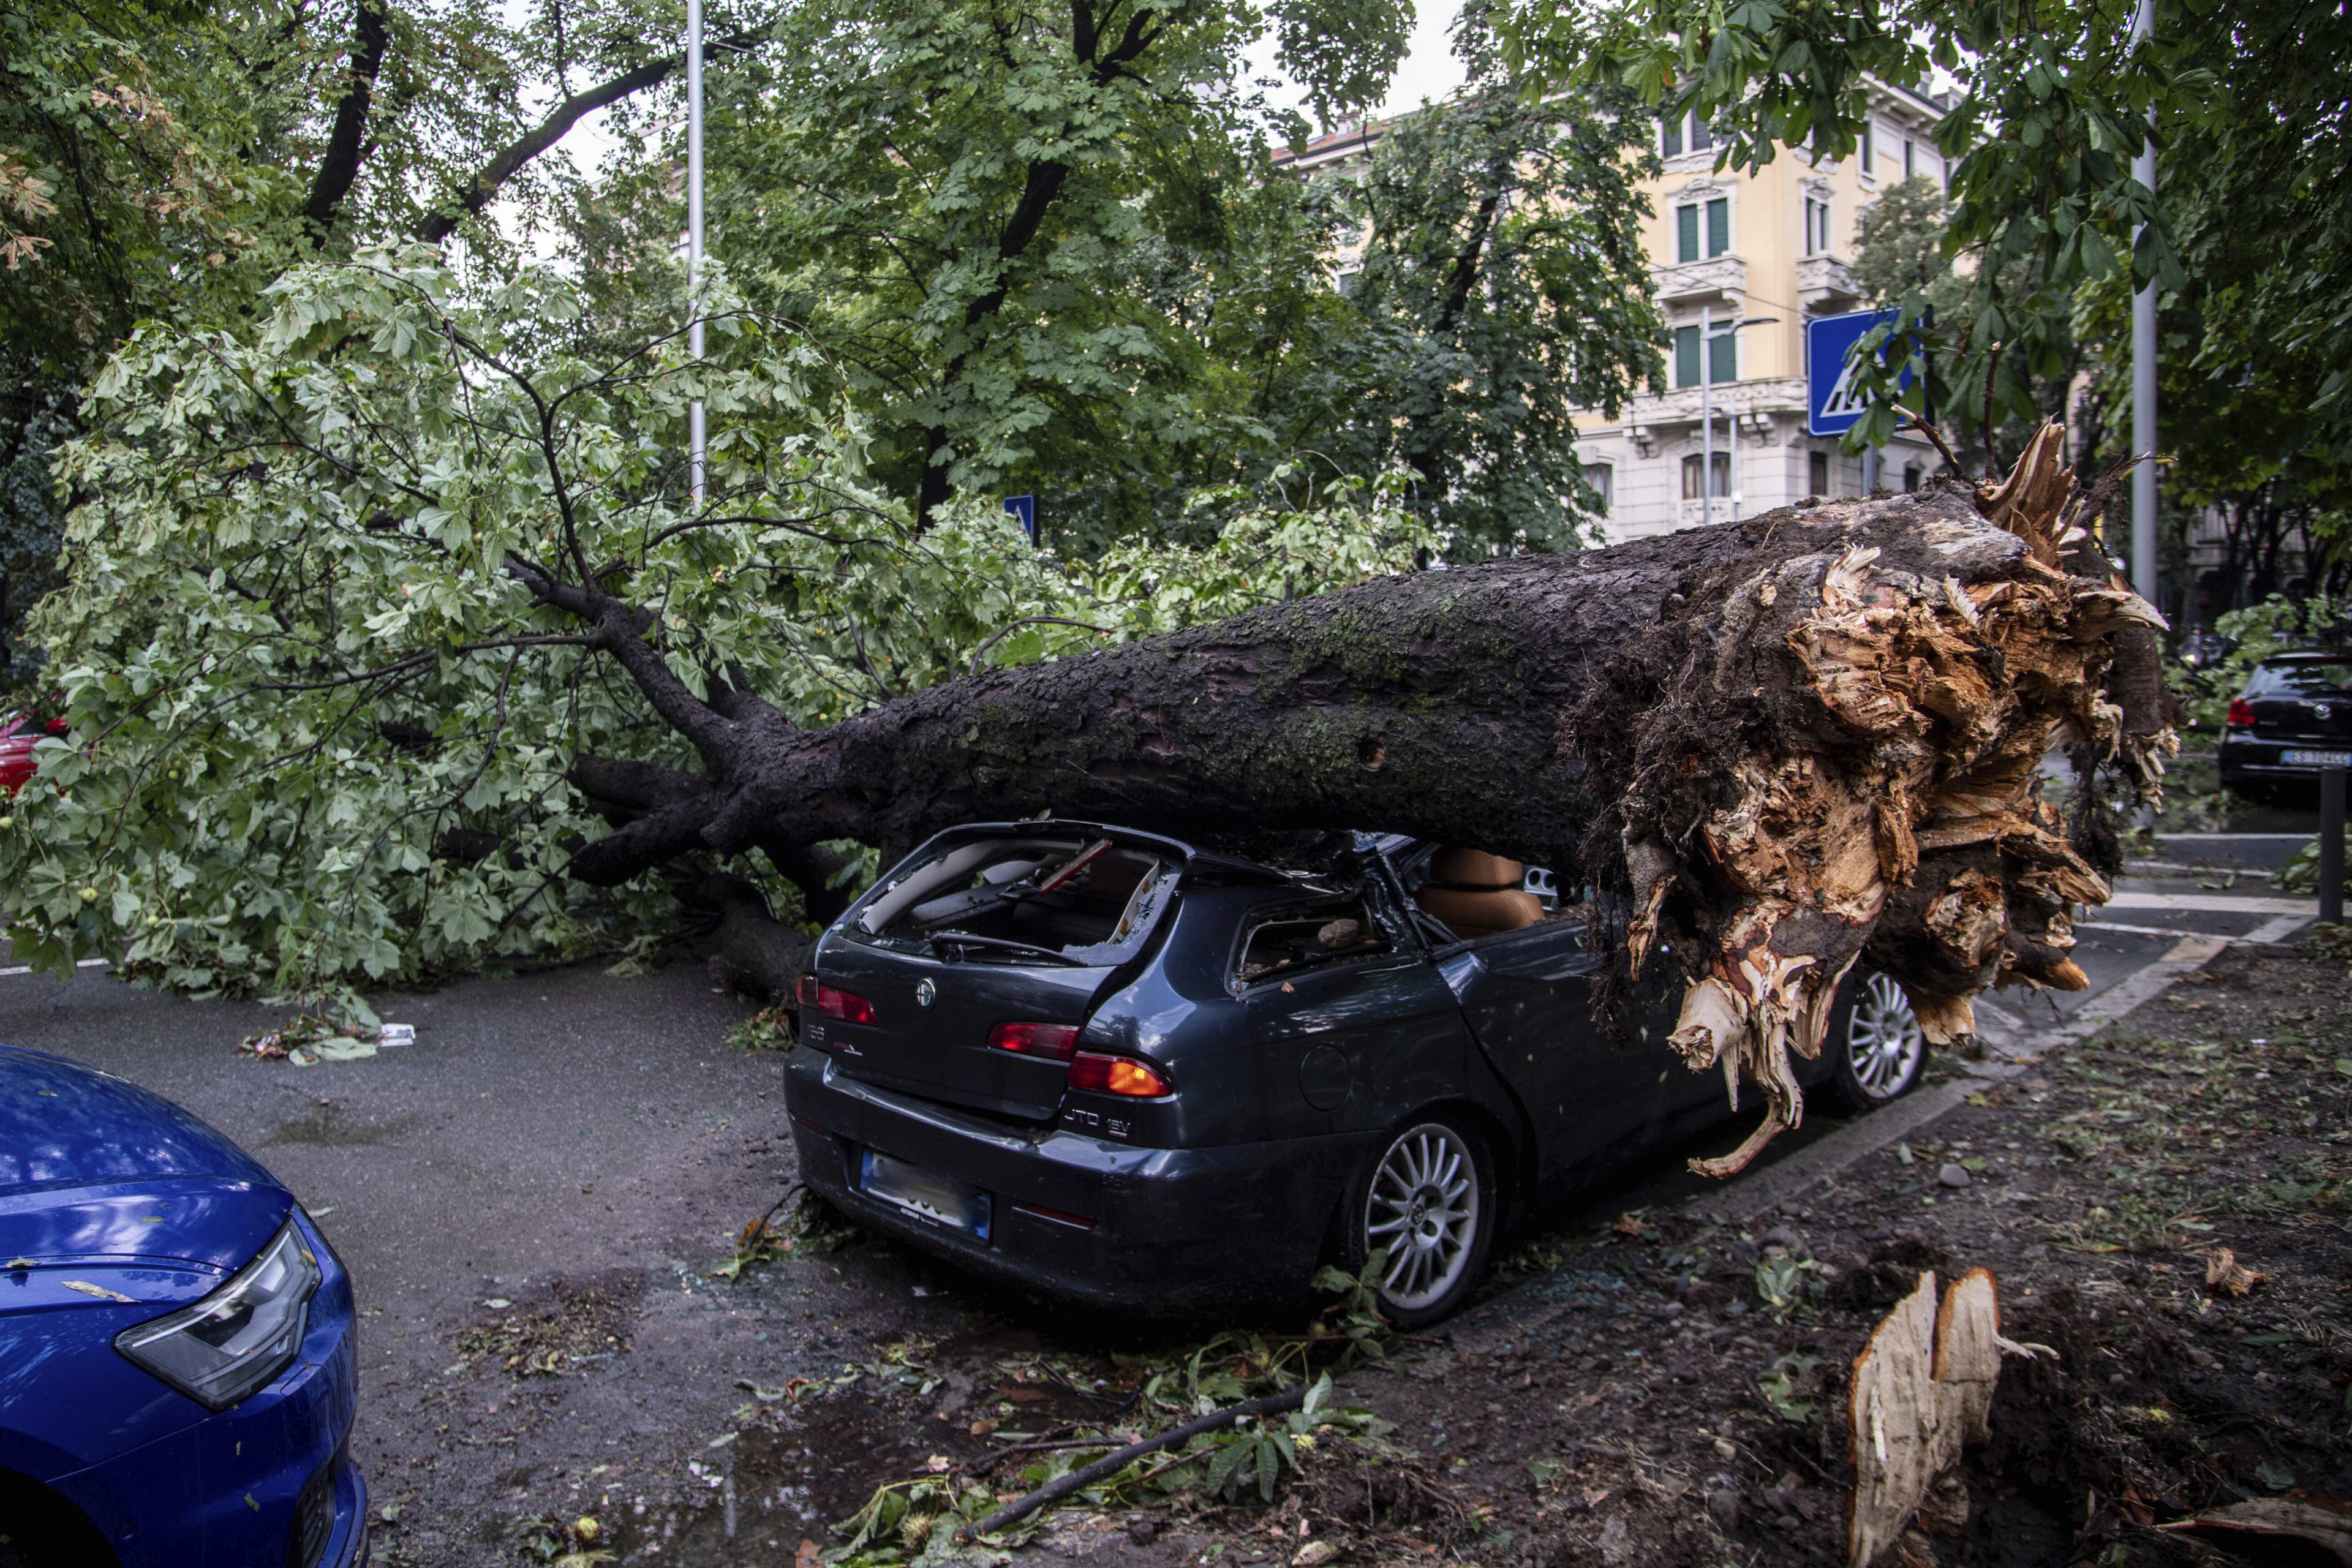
[1833,402]
[1026,508]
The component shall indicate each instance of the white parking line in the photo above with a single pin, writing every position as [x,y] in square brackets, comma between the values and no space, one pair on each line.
[2212,903]
[2207,838]
[2270,930]
[81,963]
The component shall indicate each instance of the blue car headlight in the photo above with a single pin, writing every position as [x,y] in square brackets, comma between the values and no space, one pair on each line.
[239,1337]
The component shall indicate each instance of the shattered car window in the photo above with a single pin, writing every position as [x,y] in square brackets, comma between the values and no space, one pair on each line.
[1296,939]
[1016,899]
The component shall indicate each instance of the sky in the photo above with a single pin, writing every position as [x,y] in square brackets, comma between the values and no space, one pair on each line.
[1430,70]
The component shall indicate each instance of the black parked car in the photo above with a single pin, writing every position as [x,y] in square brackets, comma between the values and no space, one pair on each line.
[2293,718]
[1115,1066]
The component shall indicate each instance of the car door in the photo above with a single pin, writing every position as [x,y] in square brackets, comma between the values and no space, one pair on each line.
[1527,997]
[1341,995]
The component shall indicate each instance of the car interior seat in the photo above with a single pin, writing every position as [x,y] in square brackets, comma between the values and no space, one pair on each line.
[1477,894]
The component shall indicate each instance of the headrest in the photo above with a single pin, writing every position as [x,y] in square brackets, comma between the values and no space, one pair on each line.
[1475,871]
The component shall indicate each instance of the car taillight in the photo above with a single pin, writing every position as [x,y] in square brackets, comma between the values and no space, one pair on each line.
[2241,714]
[1053,1041]
[1117,1075]
[816,996]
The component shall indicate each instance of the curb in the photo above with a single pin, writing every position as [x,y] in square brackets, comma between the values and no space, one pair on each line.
[1801,1172]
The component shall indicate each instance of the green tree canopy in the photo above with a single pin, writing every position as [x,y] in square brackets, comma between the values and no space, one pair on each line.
[328,685]
[1503,288]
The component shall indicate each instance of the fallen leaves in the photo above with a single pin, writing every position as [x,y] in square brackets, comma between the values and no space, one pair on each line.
[2224,1273]
[101,1291]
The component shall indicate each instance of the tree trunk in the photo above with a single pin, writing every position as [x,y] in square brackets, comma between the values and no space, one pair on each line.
[1779,742]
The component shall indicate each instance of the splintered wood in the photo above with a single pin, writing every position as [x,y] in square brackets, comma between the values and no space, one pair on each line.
[1915,824]
[1922,1391]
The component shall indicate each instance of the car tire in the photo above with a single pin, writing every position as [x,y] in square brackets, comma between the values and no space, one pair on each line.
[1876,1048]
[1430,1186]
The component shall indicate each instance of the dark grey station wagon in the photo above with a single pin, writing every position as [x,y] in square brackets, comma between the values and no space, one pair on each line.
[1118,1068]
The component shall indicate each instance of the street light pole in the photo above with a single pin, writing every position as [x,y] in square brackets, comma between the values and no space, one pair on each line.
[697,477]
[1707,414]
[2143,553]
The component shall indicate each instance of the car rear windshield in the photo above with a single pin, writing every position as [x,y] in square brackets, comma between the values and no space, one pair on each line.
[1024,900]
[2301,679]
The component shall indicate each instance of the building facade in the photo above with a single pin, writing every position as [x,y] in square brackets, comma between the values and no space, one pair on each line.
[1746,259]
[1739,262]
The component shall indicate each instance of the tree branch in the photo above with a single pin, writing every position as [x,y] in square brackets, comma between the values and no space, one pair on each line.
[484,186]
[339,167]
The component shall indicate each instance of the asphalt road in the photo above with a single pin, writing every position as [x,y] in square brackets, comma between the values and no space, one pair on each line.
[579,1127]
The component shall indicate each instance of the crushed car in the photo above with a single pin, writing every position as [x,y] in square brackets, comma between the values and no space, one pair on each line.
[1124,1069]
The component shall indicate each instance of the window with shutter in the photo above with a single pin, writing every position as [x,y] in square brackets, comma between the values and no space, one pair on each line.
[1670,136]
[1723,356]
[1718,226]
[1687,233]
[1686,356]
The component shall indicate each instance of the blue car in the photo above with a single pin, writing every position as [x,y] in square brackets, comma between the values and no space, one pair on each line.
[177,1360]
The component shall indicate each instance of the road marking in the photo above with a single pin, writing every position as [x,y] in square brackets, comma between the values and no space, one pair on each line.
[2280,929]
[81,963]
[2178,869]
[2213,903]
[2211,838]
[2086,927]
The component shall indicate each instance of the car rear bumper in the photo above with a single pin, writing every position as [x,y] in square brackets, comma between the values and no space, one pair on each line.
[2250,758]
[1171,1228]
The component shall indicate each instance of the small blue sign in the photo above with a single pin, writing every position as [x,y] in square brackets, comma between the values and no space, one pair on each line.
[1832,400]
[1026,508]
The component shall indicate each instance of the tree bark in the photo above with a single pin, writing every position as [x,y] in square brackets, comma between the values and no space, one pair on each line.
[339,166]
[1779,741]
[483,186]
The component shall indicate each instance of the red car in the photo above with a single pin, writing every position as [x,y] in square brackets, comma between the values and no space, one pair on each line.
[18,738]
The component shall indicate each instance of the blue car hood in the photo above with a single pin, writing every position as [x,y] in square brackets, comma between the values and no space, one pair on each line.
[92,1169]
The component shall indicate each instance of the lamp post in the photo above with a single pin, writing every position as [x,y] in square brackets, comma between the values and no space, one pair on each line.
[697,479]
[1706,336]
[2143,559]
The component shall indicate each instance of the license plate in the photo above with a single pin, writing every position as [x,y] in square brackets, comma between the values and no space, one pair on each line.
[939,1198]
[2317,759]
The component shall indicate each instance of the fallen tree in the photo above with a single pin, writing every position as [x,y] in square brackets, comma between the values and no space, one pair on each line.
[1784,741]
[453,639]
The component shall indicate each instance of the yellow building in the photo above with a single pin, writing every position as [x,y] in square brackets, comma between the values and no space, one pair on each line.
[1769,250]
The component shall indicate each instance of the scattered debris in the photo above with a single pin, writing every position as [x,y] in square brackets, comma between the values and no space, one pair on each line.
[306,1040]
[2261,1529]
[101,1291]
[2224,1273]
[768,1029]
[582,1324]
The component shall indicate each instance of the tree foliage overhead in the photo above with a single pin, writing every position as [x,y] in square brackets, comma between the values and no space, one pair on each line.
[1503,288]
[382,588]
[1023,227]
[354,599]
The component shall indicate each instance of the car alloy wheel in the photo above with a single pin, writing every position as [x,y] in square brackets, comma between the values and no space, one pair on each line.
[1884,1042]
[1424,1206]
